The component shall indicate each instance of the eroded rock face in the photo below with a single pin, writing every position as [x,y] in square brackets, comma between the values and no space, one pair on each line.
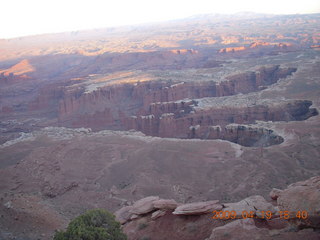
[144,205]
[165,204]
[136,98]
[253,225]
[158,214]
[260,45]
[243,229]
[302,197]
[254,204]
[218,122]
[197,208]
[239,229]
[124,214]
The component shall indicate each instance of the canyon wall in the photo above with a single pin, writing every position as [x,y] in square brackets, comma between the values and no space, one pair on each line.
[116,101]
[170,109]
[167,109]
[215,123]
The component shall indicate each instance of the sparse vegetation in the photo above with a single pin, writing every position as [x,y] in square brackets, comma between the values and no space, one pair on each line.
[97,224]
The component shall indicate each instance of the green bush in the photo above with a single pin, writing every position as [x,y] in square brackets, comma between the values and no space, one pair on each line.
[95,224]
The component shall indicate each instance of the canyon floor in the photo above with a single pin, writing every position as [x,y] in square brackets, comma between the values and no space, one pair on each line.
[193,110]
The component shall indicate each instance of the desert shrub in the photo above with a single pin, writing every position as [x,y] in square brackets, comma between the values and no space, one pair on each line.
[95,224]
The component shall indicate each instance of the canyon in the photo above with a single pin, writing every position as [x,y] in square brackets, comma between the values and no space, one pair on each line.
[170,109]
[192,110]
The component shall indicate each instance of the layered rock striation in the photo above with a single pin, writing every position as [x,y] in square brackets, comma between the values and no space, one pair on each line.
[212,109]
[169,109]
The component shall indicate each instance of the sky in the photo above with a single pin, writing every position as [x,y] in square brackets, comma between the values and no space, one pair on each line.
[30,17]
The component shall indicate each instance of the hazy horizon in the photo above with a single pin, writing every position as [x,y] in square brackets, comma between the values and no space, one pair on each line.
[35,17]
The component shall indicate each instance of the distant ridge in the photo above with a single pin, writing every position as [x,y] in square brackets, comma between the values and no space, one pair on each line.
[212,17]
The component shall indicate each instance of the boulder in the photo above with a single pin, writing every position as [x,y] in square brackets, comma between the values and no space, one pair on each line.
[255,204]
[302,196]
[144,205]
[123,215]
[244,229]
[275,193]
[238,230]
[134,216]
[197,208]
[278,223]
[158,214]
[165,204]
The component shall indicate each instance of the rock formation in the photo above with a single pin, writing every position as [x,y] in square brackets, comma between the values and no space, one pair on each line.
[144,205]
[256,205]
[302,198]
[262,219]
[197,208]
[164,109]
[165,204]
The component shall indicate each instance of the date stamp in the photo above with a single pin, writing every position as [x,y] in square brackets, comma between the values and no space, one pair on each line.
[226,215]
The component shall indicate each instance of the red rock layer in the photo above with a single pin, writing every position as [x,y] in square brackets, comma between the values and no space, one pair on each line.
[114,104]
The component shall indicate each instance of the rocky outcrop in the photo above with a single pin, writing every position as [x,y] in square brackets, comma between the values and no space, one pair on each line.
[157,214]
[263,219]
[218,122]
[232,49]
[245,135]
[168,204]
[144,205]
[184,51]
[266,46]
[252,81]
[275,193]
[124,214]
[256,205]
[47,99]
[239,229]
[244,229]
[302,198]
[158,207]
[197,208]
